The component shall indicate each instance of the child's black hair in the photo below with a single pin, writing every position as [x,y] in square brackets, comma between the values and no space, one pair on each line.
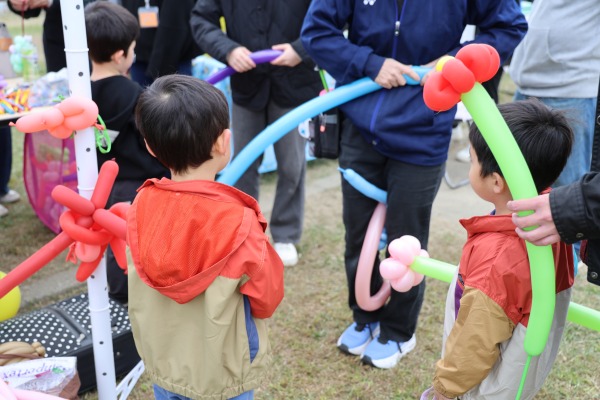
[181,118]
[109,28]
[543,135]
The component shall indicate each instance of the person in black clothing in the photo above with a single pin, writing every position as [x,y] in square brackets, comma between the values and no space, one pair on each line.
[111,34]
[167,48]
[569,213]
[263,93]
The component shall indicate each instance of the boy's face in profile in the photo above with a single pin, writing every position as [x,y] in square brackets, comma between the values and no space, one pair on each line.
[127,60]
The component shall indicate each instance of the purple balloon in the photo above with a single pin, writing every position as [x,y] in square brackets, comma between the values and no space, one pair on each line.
[258,57]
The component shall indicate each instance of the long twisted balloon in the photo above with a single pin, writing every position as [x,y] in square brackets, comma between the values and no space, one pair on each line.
[458,79]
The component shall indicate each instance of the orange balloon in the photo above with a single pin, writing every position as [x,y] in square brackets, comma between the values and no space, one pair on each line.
[79,112]
[61,132]
[40,120]
[72,114]
[87,252]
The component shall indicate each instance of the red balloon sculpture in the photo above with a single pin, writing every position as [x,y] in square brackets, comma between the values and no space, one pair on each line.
[87,227]
[473,63]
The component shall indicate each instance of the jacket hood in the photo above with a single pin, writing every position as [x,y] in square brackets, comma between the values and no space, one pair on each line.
[185,233]
[489,223]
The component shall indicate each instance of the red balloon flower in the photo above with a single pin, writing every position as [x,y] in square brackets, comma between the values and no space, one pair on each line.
[473,63]
[87,227]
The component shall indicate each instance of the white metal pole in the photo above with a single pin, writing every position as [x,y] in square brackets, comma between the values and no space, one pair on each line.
[87,173]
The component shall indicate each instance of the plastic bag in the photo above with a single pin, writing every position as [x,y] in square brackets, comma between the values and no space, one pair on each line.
[48,89]
[53,375]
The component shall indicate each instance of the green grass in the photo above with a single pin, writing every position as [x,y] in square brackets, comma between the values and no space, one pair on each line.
[304,330]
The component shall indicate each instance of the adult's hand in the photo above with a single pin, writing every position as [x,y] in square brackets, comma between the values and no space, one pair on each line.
[23,5]
[19,5]
[546,232]
[239,59]
[391,74]
[431,65]
[289,57]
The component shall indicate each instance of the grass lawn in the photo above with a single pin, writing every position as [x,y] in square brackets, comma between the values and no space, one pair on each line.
[304,330]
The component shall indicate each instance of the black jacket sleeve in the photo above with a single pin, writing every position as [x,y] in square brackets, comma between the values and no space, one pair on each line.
[576,213]
[206,29]
[173,42]
[576,209]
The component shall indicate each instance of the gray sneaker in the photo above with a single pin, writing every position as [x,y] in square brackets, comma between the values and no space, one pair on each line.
[10,197]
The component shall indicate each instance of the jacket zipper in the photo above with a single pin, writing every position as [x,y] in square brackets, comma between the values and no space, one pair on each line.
[399,13]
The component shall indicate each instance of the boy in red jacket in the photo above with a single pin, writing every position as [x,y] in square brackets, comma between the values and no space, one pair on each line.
[202,275]
[489,300]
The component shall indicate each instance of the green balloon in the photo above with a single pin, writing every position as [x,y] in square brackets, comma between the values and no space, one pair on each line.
[584,316]
[443,271]
[434,268]
[518,177]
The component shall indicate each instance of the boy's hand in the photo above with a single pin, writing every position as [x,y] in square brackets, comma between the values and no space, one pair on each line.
[438,396]
[432,394]
[289,57]
[390,74]
[239,59]
[546,232]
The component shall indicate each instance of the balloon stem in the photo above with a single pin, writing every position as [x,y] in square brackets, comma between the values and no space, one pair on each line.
[323,80]
[523,378]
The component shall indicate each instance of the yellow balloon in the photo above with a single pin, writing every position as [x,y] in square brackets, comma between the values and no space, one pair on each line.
[9,304]
[440,64]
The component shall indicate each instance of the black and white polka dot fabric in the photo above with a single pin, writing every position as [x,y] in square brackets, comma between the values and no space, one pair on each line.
[63,327]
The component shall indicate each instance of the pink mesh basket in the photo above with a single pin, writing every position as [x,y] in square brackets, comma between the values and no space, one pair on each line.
[48,162]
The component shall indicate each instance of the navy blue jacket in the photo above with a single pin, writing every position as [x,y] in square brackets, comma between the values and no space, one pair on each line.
[414,32]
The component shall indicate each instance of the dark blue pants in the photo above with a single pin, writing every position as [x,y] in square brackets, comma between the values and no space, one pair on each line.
[163,394]
[411,191]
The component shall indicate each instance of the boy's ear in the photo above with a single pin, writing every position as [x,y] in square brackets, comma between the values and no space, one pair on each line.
[223,142]
[149,149]
[498,183]
[117,56]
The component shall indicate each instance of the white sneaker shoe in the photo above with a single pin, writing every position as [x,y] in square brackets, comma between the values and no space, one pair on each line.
[3,211]
[10,197]
[288,253]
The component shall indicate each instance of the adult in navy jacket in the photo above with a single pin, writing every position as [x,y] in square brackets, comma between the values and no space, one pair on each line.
[390,137]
